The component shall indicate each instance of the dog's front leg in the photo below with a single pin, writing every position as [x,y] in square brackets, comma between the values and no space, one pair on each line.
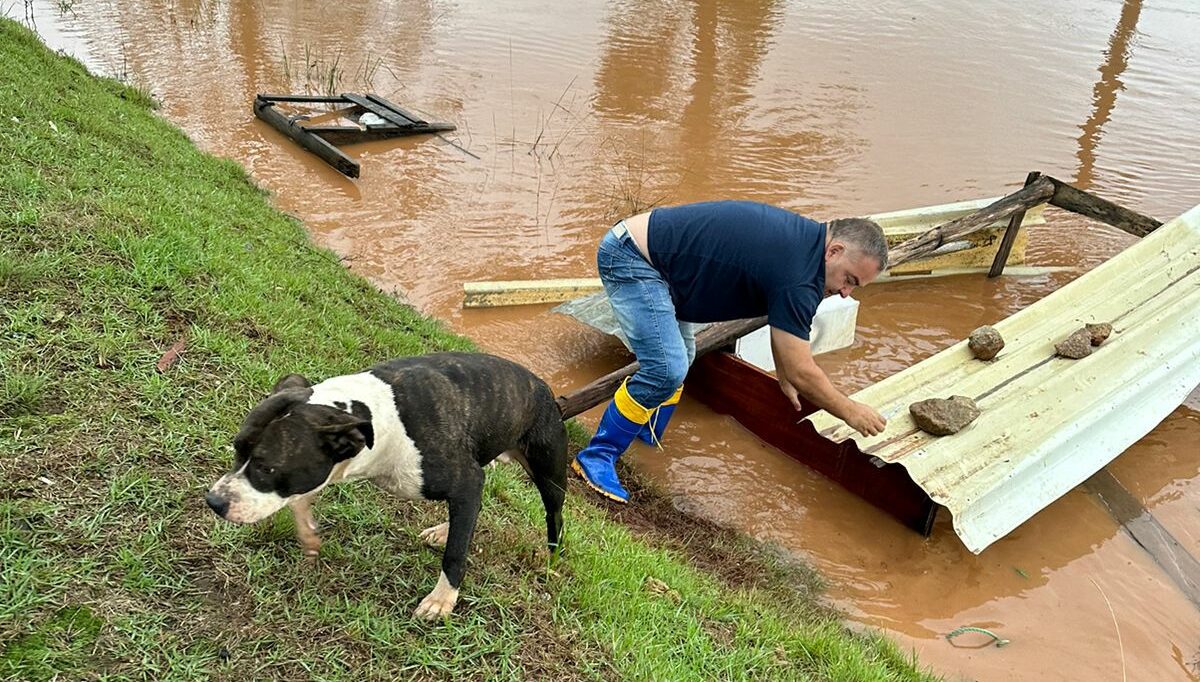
[464,511]
[306,526]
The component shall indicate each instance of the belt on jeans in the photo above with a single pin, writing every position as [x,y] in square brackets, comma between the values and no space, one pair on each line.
[619,230]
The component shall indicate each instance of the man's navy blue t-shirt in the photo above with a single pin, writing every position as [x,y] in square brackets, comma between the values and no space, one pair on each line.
[728,260]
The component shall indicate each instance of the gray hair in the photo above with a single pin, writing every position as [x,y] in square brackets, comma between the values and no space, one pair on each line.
[864,235]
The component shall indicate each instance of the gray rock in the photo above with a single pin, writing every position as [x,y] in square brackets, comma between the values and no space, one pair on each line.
[985,342]
[944,416]
[1075,346]
[1099,332]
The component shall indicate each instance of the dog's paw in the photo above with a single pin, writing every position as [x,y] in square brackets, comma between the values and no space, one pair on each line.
[436,536]
[312,550]
[440,602]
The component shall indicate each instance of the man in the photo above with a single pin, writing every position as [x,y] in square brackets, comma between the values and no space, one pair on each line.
[710,262]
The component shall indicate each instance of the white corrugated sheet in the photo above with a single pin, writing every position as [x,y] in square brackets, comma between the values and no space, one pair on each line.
[1048,423]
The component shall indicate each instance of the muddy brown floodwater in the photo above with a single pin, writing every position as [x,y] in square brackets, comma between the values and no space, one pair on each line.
[583,114]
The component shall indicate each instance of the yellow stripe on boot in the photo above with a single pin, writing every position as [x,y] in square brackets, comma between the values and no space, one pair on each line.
[630,408]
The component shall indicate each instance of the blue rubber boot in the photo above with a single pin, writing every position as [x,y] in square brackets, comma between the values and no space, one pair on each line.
[597,463]
[652,432]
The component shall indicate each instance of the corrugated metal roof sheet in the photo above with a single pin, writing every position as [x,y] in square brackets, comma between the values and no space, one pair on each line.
[1048,423]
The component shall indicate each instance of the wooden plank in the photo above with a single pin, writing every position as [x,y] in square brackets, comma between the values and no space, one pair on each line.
[380,111]
[403,112]
[526,292]
[1010,271]
[734,387]
[339,135]
[1078,201]
[498,293]
[1146,531]
[331,99]
[266,111]
[1010,234]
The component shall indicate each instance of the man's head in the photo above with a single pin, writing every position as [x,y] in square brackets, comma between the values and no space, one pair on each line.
[855,253]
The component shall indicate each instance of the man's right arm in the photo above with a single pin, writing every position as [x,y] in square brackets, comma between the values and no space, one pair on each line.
[799,374]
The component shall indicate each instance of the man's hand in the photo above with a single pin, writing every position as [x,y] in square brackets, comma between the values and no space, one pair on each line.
[799,375]
[791,393]
[864,419]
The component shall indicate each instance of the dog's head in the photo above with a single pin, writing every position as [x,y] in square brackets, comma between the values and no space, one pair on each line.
[285,448]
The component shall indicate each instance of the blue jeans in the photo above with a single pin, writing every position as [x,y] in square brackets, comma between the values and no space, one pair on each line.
[641,300]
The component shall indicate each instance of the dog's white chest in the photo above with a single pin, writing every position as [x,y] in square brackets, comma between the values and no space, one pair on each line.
[393,462]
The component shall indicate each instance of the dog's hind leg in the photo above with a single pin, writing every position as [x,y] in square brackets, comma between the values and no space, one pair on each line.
[464,511]
[306,526]
[546,461]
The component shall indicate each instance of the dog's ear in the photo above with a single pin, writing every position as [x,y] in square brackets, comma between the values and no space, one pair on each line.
[264,413]
[290,381]
[342,434]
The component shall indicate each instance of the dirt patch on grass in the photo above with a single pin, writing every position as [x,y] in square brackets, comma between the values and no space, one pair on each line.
[739,562]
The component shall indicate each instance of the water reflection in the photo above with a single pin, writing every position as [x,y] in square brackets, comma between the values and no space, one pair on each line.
[693,71]
[1104,94]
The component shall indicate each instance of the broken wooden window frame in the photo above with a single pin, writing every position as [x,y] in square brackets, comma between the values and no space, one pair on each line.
[323,140]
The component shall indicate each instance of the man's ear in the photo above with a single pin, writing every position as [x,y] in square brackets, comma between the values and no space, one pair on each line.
[834,249]
[342,434]
[290,381]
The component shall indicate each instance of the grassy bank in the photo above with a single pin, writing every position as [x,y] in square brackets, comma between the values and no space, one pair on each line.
[118,239]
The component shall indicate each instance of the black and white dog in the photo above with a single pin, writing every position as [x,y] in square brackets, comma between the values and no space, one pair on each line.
[420,428]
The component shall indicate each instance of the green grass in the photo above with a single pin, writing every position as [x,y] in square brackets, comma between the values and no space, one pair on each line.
[118,238]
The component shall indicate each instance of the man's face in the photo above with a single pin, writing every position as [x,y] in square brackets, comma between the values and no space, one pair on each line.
[847,268]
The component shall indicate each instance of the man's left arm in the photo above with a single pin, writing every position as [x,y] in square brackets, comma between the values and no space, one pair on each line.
[799,374]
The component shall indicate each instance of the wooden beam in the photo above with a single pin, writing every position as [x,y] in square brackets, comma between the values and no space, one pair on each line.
[526,292]
[734,387]
[332,99]
[381,111]
[1086,204]
[265,110]
[339,135]
[712,337]
[403,112]
[497,293]
[1010,234]
[1021,200]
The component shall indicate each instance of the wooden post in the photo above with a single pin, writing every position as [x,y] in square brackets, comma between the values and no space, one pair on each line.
[1021,200]
[265,110]
[1092,206]
[1010,235]
[1148,532]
